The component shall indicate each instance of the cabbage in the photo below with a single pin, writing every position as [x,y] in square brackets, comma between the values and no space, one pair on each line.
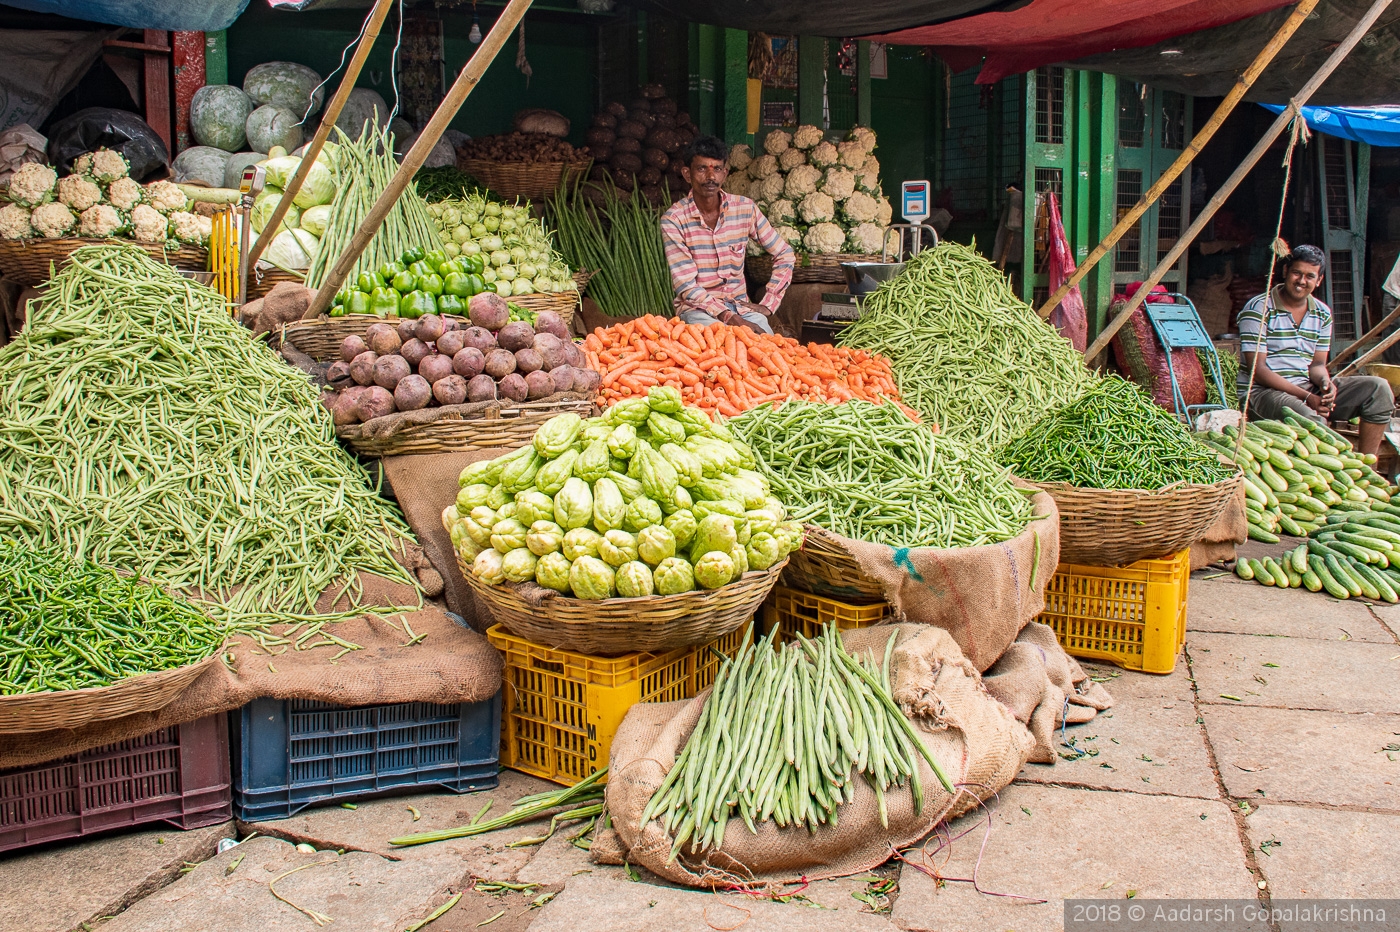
[315,219]
[280,170]
[292,250]
[263,206]
[318,188]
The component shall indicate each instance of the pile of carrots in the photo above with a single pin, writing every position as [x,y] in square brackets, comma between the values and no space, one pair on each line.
[731,369]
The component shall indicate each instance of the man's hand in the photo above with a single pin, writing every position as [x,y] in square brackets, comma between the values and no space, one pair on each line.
[751,308]
[1329,393]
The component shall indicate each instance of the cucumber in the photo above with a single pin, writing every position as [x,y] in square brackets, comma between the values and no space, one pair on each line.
[1287,508]
[1258,533]
[1378,495]
[1262,574]
[1329,463]
[1253,492]
[1312,503]
[1377,544]
[1276,571]
[1256,450]
[1319,567]
[1355,551]
[1305,516]
[1368,588]
[1295,578]
[1271,478]
[1340,574]
[1300,450]
[1277,428]
[1299,558]
[1356,495]
[1327,449]
[1310,442]
[1242,568]
[1351,462]
[1286,497]
[1311,581]
[1354,473]
[1290,526]
[1384,590]
[1279,459]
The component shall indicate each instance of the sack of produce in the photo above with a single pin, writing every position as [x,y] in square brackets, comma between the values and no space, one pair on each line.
[1139,353]
[670,797]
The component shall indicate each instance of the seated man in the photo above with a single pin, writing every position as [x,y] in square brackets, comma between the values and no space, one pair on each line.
[707,234]
[1290,370]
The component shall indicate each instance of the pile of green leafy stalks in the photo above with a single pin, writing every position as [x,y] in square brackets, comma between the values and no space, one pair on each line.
[620,241]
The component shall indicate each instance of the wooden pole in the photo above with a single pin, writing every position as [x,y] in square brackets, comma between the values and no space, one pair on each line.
[323,132]
[1389,319]
[466,82]
[1371,354]
[1275,131]
[1193,148]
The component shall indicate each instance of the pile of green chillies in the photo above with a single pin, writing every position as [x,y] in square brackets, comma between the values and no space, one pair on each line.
[1113,437]
[75,625]
[869,473]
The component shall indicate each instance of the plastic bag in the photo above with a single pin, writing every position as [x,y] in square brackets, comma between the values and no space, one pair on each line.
[1069,317]
[98,127]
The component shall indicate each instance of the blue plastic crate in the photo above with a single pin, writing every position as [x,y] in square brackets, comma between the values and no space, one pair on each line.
[292,753]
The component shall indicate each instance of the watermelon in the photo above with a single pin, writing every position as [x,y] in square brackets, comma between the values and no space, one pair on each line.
[284,84]
[200,163]
[361,106]
[233,168]
[270,126]
[217,115]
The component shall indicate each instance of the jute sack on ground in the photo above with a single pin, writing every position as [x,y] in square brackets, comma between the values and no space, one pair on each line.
[976,740]
[983,596]
[1219,540]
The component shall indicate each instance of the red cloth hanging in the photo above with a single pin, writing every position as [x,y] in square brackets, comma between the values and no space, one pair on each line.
[1069,316]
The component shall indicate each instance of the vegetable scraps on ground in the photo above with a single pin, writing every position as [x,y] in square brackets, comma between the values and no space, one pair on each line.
[1113,437]
[730,369]
[513,247]
[146,430]
[620,240]
[868,472]
[649,499]
[967,353]
[68,624]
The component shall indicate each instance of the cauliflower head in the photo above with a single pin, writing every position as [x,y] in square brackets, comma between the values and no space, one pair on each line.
[817,207]
[79,193]
[52,220]
[190,228]
[865,239]
[125,194]
[824,239]
[861,207]
[100,220]
[33,184]
[763,166]
[165,196]
[884,212]
[791,235]
[147,224]
[739,158]
[82,165]
[869,182]
[780,211]
[791,158]
[777,142]
[850,154]
[865,137]
[14,222]
[108,165]
[737,183]
[806,136]
[840,183]
[767,190]
[822,155]
[801,181]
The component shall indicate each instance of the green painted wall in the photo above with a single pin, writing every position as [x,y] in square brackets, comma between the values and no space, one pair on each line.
[561,47]
[902,115]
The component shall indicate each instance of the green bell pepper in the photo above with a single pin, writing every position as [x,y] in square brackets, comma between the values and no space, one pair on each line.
[476,264]
[357,303]
[435,257]
[431,283]
[420,269]
[450,267]
[388,270]
[478,283]
[459,285]
[416,304]
[410,256]
[384,302]
[337,310]
[405,281]
[367,282]
[448,303]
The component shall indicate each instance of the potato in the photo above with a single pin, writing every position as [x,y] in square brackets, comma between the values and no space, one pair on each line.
[499,363]
[528,360]
[514,387]
[435,368]
[515,336]
[351,347]
[451,390]
[450,343]
[550,322]
[415,351]
[429,328]
[376,402]
[390,370]
[468,362]
[479,337]
[481,388]
[413,393]
[338,374]
[489,311]
[362,367]
[538,384]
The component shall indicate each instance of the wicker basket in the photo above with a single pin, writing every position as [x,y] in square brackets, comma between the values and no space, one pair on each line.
[28,261]
[624,626]
[563,303]
[461,427]
[582,277]
[74,708]
[320,337]
[261,281]
[1104,527]
[825,269]
[522,179]
[823,567]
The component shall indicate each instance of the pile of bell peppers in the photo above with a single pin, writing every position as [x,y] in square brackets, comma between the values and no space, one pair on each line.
[419,283]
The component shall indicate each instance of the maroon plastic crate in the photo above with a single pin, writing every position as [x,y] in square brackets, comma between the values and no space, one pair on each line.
[178,775]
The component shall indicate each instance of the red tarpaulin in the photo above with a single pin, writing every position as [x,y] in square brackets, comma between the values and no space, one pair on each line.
[1047,31]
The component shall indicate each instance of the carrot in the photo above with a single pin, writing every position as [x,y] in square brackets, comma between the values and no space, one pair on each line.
[618,372]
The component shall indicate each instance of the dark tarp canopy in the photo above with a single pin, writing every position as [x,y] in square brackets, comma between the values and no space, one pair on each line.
[182,15]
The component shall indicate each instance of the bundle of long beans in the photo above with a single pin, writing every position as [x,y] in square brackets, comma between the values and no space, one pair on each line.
[1113,437]
[780,736]
[366,166]
[66,624]
[967,353]
[143,429]
[621,241]
[869,472]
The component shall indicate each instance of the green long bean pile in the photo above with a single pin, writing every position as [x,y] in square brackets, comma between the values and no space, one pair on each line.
[779,736]
[967,353]
[70,625]
[869,473]
[621,241]
[1113,437]
[143,429]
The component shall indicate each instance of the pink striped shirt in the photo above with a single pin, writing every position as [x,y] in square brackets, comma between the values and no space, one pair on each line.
[707,266]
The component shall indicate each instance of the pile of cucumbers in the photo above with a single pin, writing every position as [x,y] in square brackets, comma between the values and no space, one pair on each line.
[1353,554]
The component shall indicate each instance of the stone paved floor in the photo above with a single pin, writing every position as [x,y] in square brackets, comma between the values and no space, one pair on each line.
[1259,767]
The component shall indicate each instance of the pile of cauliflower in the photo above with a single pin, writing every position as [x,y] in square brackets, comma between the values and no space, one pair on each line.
[98,199]
[823,198]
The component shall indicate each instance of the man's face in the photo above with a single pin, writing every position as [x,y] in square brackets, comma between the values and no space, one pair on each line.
[1302,279]
[705,176]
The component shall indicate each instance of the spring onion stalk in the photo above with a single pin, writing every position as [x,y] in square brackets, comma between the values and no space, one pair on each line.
[581,798]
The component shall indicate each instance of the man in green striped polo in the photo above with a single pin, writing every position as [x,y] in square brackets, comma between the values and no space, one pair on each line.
[1289,360]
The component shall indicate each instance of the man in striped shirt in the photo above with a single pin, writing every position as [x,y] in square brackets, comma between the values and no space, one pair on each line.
[707,235]
[1289,362]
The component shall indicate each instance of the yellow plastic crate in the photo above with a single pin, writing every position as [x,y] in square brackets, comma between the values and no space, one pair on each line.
[561,708]
[794,612]
[1133,616]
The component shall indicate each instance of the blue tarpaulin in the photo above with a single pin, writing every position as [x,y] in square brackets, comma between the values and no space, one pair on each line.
[1379,126]
[181,15]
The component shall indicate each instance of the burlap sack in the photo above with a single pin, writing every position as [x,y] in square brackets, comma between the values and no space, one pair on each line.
[972,736]
[983,596]
[1219,540]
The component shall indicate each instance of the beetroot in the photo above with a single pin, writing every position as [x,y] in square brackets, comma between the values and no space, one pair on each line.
[429,328]
[489,310]
[451,390]
[351,347]
[450,324]
[499,363]
[551,350]
[528,360]
[415,351]
[376,402]
[408,329]
[435,368]
[413,393]
[481,388]
[345,410]
[338,374]
[538,385]
[552,323]
[587,380]
[362,368]
[516,335]
[468,362]
[514,387]
[450,343]
[390,370]
[563,378]
[479,337]
[573,356]
[384,341]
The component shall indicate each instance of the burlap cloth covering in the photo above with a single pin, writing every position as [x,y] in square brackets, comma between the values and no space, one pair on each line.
[450,665]
[1219,540]
[391,425]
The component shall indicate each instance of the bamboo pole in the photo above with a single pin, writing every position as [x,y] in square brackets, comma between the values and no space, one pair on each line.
[466,82]
[1193,148]
[1371,354]
[323,132]
[1275,131]
[1389,319]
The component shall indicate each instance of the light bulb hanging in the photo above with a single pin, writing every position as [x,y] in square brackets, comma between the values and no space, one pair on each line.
[474,37]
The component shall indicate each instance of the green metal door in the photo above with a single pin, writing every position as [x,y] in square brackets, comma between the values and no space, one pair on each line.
[1344,170]
[1050,113]
[1152,130]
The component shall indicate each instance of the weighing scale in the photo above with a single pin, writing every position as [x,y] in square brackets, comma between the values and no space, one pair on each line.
[250,186]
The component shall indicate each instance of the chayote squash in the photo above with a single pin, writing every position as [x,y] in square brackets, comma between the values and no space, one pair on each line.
[557,434]
[718,506]
[552,475]
[633,411]
[693,420]
[489,567]
[716,458]
[629,487]
[591,578]
[634,465]
[665,399]
[642,512]
[714,532]
[761,521]
[622,442]
[507,510]
[498,497]
[682,526]
[617,465]
[508,534]
[771,504]
[521,474]
[485,472]
[573,506]
[593,462]
[595,428]
[519,565]
[655,543]
[450,516]
[742,531]
[617,548]
[763,551]
[673,576]
[714,569]
[533,505]
[545,537]
[479,524]
[665,429]
[470,496]
[552,572]
[747,460]
[634,580]
[686,464]
[581,542]
[741,560]
[658,477]
[609,508]
[720,431]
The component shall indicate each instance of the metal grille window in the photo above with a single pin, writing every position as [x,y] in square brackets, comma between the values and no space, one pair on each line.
[840,90]
[1050,105]
[1169,219]
[1338,196]
[1173,120]
[1132,119]
[1343,296]
[1047,180]
[1128,257]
